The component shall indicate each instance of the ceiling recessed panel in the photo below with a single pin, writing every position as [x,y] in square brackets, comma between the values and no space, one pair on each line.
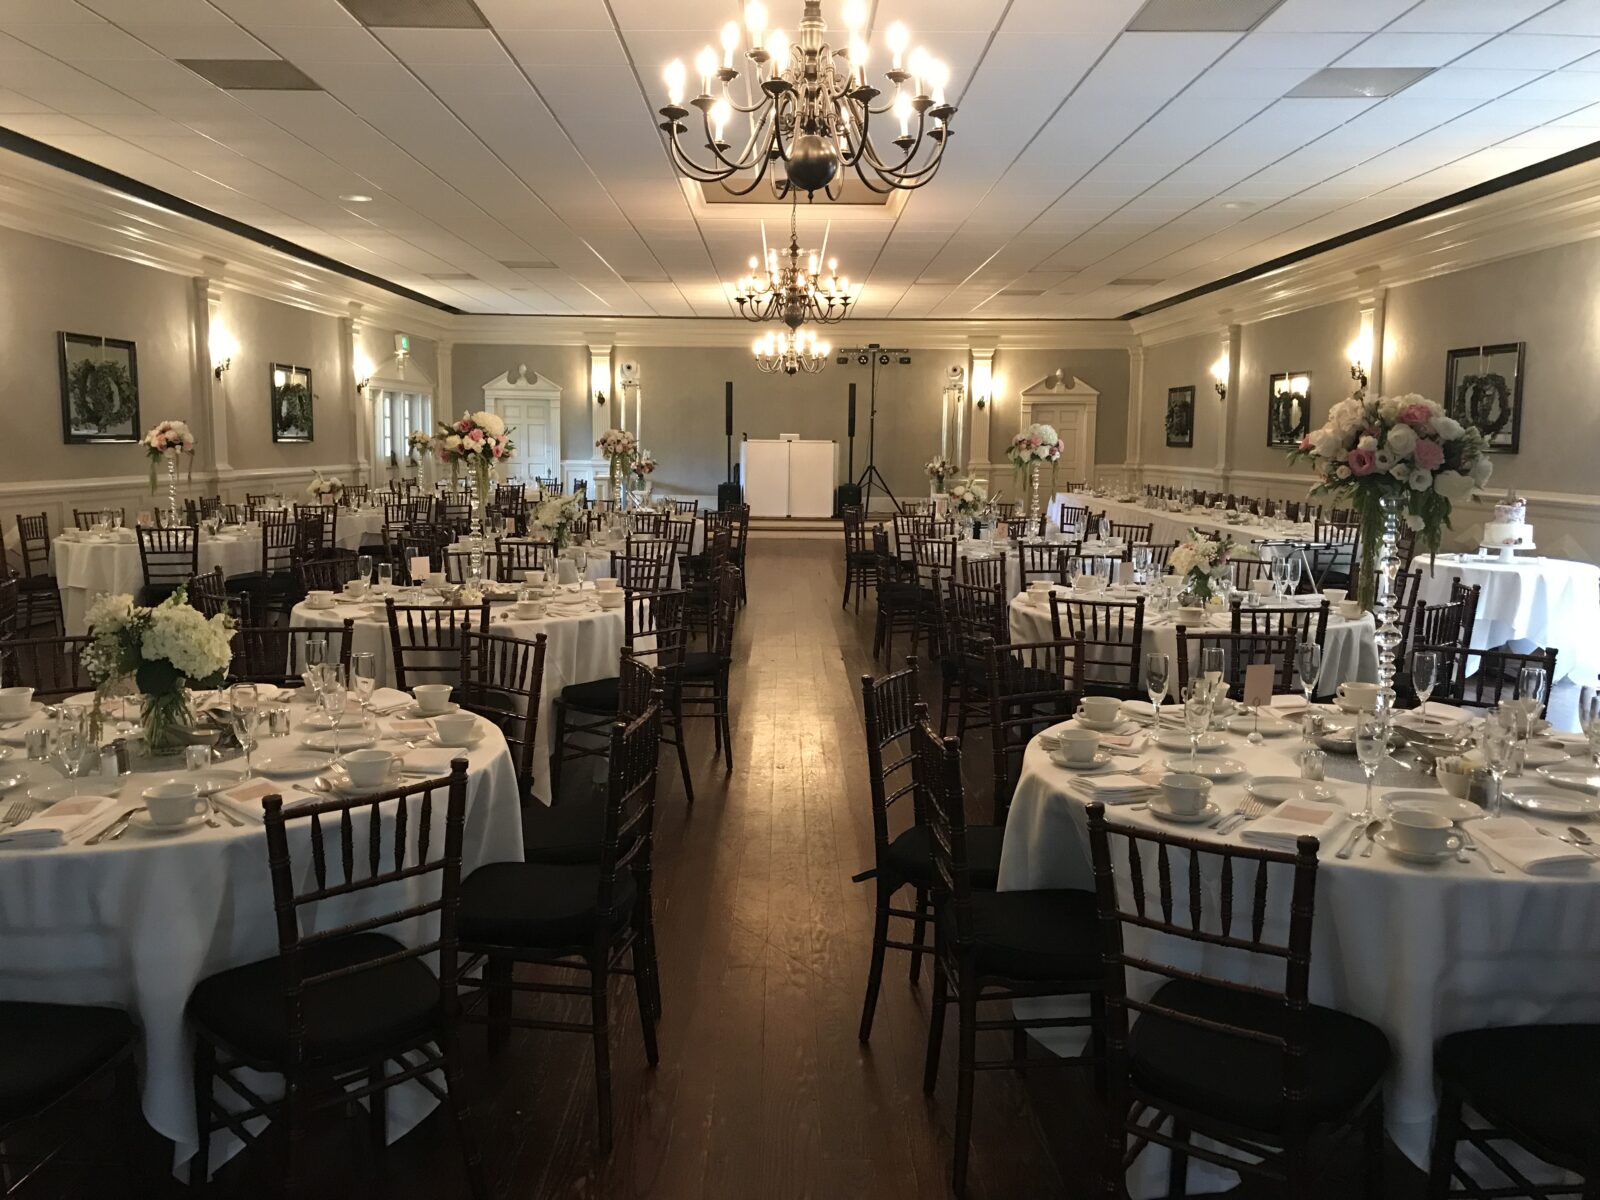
[416,14]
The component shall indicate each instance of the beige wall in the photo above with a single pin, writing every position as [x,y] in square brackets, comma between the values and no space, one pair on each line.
[1183,363]
[1314,341]
[473,366]
[1104,370]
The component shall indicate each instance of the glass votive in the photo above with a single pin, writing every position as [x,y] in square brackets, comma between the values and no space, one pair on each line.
[1313,764]
[196,758]
[278,720]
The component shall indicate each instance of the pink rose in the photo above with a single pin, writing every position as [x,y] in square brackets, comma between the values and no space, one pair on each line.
[1428,454]
[476,435]
[1361,461]
[464,424]
[1416,414]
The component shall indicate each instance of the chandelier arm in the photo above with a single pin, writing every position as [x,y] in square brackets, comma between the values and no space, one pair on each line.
[700,172]
[741,163]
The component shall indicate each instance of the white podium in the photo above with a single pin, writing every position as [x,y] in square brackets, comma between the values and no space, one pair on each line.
[788,477]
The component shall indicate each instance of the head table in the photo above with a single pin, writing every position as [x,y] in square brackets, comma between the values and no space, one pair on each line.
[583,643]
[139,919]
[1418,950]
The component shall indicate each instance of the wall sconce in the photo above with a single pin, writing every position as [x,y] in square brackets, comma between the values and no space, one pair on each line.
[223,347]
[362,369]
[983,381]
[600,378]
[1219,377]
[1360,354]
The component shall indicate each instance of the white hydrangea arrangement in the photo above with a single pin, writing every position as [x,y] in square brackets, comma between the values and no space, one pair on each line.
[938,467]
[326,490]
[1202,563]
[555,516]
[968,498]
[477,439]
[419,442]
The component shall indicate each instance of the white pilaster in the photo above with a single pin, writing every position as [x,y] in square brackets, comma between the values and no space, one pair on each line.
[1232,339]
[206,312]
[980,395]
[444,389]
[1134,457]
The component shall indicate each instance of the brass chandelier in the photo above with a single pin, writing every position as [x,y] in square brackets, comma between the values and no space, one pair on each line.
[810,108]
[790,351]
[789,288]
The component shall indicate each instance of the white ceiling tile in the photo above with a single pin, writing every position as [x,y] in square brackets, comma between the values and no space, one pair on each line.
[164,12]
[574,47]
[79,42]
[1466,16]
[547,14]
[1411,49]
[1569,16]
[1526,50]
[1319,16]
[302,44]
[199,40]
[464,47]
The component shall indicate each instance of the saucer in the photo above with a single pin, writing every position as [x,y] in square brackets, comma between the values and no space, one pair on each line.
[206,781]
[1102,761]
[1270,726]
[1208,768]
[321,721]
[346,743]
[293,764]
[1385,838]
[339,780]
[1275,789]
[1098,726]
[473,739]
[316,607]
[413,712]
[141,821]
[1159,810]
[1172,739]
[1447,806]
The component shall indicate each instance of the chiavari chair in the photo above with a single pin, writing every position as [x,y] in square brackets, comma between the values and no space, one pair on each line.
[426,640]
[1275,648]
[41,598]
[985,571]
[705,673]
[935,561]
[1041,561]
[1131,532]
[644,565]
[1498,677]
[1445,630]
[975,615]
[325,574]
[740,531]
[344,1011]
[1306,624]
[52,666]
[87,518]
[1247,570]
[1273,1083]
[458,563]
[208,594]
[501,680]
[1161,555]
[169,558]
[1112,634]
[275,653]
[902,604]
[904,858]
[689,507]
[275,587]
[326,516]
[680,531]
[9,606]
[994,946]
[456,513]
[584,917]
[1336,555]
[860,563]
[1031,686]
[520,555]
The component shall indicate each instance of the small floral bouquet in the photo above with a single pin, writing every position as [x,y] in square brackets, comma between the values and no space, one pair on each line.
[164,650]
[968,498]
[644,463]
[418,443]
[1397,450]
[617,445]
[1036,443]
[477,439]
[169,437]
[1202,563]
[325,491]
[556,516]
[937,468]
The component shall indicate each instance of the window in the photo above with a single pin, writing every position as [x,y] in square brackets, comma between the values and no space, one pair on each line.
[395,415]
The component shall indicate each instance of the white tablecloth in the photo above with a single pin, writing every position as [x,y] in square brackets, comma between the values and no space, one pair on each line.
[1418,951]
[1167,527]
[139,921]
[358,526]
[1540,601]
[577,649]
[88,569]
[1349,651]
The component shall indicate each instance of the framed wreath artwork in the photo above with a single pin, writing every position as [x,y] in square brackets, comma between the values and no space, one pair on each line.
[1483,387]
[1288,407]
[291,403]
[99,389]
[1180,416]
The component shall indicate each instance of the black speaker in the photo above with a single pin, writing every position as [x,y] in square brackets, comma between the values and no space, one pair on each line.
[727,409]
[729,495]
[846,495]
[852,429]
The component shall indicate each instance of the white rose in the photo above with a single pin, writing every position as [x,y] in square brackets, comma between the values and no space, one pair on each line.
[1383,460]
[1342,473]
[1420,479]
[1453,485]
[1399,471]
[1481,470]
[1326,445]
[1367,443]
[1448,428]
[453,442]
[1414,522]
[1402,440]
[1389,407]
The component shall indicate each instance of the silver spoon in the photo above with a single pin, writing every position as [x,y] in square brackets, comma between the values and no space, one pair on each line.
[1372,838]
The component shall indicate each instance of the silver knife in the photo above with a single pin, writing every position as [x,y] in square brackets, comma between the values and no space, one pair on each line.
[114,829]
[1349,847]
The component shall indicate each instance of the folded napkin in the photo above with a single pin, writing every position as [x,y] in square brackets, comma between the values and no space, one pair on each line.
[1290,703]
[431,762]
[388,700]
[1295,819]
[1111,789]
[245,799]
[56,824]
[1051,738]
[1521,845]
[418,727]
[1124,745]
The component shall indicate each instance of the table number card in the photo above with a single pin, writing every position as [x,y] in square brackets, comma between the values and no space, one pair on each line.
[1258,685]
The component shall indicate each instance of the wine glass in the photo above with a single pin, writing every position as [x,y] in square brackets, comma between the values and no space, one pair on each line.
[1291,574]
[333,702]
[244,714]
[316,650]
[364,677]
[1589,720]
[1213,662]
[580,559]
[1372,739]
[1278,571]
[1308,662]
[1424,676]
[386,577]
[1157,673]
[364,568]
[1198,702]
[1495,740]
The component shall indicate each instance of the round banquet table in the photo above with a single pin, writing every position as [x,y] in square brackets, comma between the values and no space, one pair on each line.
[138,921]
[579,647]
[1167,527]
[1418,951]
[358,526]
[88,566]
[1540,601]
[1349,651]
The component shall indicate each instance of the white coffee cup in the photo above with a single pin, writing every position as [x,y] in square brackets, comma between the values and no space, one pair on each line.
[1350,609]
[15,702]
[455,728]
[1422,831]
[611,599]
[171,803]
[432,698]
[367,768]
[605,584]
[1078,745]
[1362,697]
[1185,795]
[1334,596]
[527,610]
[1102,710]
[356,587]
[1261,587]
[318,598]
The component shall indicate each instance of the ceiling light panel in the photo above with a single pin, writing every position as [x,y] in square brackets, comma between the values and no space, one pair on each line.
[416,14]
[252,74]
[1200,16]
[1358,82]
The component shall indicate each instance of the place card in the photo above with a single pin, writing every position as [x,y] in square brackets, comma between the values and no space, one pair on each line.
[1258,684]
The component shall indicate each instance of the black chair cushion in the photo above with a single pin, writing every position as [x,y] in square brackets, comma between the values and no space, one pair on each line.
[537,905]
[346,1018]
[909,857]
[48,1049]
[36,583]
[1537,1081]
[702,664]
[151,594]
[597,696]
[1050,934]
[1239,1080]
[563,833]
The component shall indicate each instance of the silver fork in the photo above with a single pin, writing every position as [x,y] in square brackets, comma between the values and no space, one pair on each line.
[14,813]
[1248,811]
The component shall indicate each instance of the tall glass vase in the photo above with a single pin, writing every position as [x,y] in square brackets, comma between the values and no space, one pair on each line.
[1385,566]
[480,501]
[1033,494]
[172,488]
[164,719]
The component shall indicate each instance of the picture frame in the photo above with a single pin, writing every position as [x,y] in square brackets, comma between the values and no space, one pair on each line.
[99,389]
[1288,407]
[1180,417]
[1483,387]
[293,418]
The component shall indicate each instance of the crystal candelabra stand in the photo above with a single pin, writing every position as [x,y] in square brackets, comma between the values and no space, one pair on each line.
[1385,611]
[172,489]
[480,498]
[1033,493]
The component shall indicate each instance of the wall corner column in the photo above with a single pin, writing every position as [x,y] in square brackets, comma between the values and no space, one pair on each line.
[1133,458]
[211,397]
[980,395]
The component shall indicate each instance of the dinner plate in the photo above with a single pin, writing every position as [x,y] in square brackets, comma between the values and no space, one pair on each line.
[1544,756]
[1159,809]
[206,781]
[1210,768]
[1451,808]
[344,744]
[1577,779]
[293,764]
[62,789]
[322,721]
[1101,762]
[1438,717]
[141,821]
[1269,726]
[413,712]
[1177,739]
[339,780]
[1550,801]
[1275,789]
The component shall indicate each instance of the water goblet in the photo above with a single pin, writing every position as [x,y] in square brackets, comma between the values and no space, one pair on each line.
[1424,676]
[1372,739]
[385,577]
[244,713]
[333,699]
[74,742]
[364,679]
[1198,703]
[1157,674]
[1308,662]
[1495,741]
[1589,720]
[364,568]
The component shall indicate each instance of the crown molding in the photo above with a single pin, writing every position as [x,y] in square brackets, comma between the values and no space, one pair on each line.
[1554,210]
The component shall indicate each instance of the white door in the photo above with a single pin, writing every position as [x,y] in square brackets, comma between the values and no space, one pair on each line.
[1071,425]
[529,425]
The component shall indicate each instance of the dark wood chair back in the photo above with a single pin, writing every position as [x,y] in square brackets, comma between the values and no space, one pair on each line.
[502,679]
[986,572]
[208,594]
[685,506]
[1041,560]
[974,613]
[426,640]
[726,589]
[88,518]
[1498,677]
[454,512]
[458,563]
[33,536]
[680,532]
[1112,635]
[1307,624]
[52,666]
[1031,686]
[889,706]
[629,830]
[325,574]
[1131,532]
[1247,570]
[280,542]
[1240,650]
[9,605]
[936,774]
[169,557]
[516,555]
[1446,629]
[327,517]
[275,653]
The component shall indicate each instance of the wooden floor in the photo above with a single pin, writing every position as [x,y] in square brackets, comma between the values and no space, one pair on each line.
[762,1090]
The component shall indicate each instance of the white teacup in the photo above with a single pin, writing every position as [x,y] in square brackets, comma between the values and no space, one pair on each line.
[455,728]
[1422,832]
[1361,697]
[356,588]
[15,702]
[432,698]
[527,610]
[1350,609]
[610,599]
[1334,596]
[171,803]
[1102,710]
[1185,794]
[317,598]
[605,584]
[1079,745]
[367,768]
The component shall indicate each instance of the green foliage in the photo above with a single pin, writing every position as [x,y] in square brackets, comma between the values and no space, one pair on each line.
[293,408]
[101,394]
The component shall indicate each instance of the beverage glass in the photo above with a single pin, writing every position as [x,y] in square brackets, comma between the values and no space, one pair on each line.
[1197,709]
[1495,741]
[1308,662]
[364,677]
[386,576]
[1372,739]
[1157,674]
[244,712]
[364,568]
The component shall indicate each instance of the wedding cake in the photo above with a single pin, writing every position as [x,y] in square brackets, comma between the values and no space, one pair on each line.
[1510,525]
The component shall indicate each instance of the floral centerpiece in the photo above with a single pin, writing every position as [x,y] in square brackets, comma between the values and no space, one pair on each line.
[556,516]
[1202,563]
[644,463]
[478,441]
[968,498]
[325,491]
[1400,453]
[618,447]
[164,650]
[1034,445]
[937,468]
[163,444]
[419,444]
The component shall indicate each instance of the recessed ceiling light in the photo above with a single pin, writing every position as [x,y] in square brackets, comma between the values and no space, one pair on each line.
[1358,82]
[416,14]
[252,74]
[356,198]
[1132,282]
[1200,16]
